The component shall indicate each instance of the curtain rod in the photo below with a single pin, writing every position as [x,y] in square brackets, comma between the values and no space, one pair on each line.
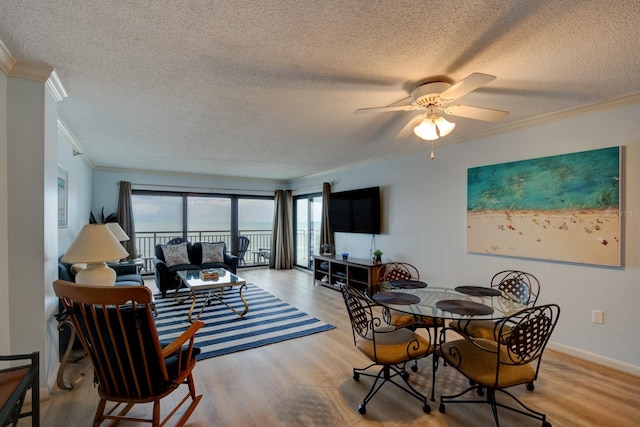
[200,188]
[317,186]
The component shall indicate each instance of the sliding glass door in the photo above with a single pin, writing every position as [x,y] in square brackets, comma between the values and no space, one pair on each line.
[255,222]
[308,215]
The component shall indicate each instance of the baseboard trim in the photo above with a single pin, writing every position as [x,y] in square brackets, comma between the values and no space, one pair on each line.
[617,365]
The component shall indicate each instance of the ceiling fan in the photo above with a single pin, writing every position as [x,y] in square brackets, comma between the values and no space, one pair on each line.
[435,97]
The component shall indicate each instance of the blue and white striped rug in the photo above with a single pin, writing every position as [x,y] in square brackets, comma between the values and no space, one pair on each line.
[269,320]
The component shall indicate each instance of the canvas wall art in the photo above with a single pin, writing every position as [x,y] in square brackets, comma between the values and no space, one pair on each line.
[561,208]
[63,197]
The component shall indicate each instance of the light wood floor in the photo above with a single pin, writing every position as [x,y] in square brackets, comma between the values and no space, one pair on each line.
[308,382]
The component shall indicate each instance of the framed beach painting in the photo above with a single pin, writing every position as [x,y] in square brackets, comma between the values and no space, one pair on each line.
[561,208]
[63,197]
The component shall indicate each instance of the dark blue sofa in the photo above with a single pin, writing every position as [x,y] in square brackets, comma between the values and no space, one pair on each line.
[166,277]
[126,275]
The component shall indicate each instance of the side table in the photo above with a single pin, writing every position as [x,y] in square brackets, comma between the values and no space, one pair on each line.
[138,262]
[64,322]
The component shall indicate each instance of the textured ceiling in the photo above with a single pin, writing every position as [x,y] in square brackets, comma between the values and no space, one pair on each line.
[268,88]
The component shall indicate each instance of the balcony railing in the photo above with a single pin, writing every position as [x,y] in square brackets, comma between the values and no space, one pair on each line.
[146,242]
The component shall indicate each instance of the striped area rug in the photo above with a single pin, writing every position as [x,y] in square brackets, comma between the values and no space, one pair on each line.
[269,320]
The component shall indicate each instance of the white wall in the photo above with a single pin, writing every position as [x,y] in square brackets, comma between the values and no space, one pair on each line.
[4,227]
[31,217]
[49,271]
[424,223]
[80,181]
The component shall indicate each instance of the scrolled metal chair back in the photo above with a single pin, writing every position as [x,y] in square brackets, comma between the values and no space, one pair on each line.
[520,286]
[526,334]
[360,315]
[397,271]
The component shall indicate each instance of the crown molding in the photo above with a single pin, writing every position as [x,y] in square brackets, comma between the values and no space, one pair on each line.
[7,61]
[40,73]
[78,150]
[77,147]
[55,87]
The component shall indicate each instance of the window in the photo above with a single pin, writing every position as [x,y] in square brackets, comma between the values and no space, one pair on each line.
[157,219]
[161,216]
[209,219]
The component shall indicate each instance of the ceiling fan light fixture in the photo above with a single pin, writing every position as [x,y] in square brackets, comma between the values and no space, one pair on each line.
[444,126]
[426,129]
[433,127]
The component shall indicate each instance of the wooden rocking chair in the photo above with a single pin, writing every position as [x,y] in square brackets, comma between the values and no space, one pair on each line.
[117,330]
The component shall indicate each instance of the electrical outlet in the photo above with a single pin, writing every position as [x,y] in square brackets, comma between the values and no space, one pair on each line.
[597,316]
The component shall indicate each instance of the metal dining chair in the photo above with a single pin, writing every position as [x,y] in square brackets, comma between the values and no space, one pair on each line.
[386,346]
[513,358]
[518,286]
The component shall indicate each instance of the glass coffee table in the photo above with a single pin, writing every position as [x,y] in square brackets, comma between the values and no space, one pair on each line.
[214,289]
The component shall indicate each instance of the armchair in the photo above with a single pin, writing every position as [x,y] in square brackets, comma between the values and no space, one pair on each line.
[243,245]
[117,330]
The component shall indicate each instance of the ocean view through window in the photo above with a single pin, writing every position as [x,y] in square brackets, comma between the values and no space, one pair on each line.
[161,216]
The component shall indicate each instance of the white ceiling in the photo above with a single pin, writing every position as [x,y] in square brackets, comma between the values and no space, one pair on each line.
[267,88]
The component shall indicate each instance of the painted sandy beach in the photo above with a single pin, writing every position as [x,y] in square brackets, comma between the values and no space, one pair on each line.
[585,236]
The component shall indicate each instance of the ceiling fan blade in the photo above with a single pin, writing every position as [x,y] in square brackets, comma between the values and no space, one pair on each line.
[408,128]
[385,109]
[464,86]
[477,113]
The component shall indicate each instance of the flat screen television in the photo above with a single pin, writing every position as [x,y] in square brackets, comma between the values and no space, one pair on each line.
[355,211]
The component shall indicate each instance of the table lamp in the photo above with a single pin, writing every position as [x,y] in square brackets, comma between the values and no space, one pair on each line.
[94,245]
[117,231]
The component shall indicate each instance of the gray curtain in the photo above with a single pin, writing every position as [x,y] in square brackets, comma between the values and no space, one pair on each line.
[282,236]
[326,235]
[125,218]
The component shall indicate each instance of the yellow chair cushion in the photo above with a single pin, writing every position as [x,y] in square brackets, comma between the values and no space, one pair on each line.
[478,328]
[393,346]
[480,366]
[401,319]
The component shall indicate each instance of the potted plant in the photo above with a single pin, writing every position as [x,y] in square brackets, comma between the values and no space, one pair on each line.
[377,254]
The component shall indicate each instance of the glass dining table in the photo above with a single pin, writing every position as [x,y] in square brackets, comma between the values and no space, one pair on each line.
[443,301]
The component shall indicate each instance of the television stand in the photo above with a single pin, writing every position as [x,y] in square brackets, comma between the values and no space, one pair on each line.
[334,272]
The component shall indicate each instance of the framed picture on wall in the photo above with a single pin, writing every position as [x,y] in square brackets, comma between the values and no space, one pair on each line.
[560,208]
[63,197]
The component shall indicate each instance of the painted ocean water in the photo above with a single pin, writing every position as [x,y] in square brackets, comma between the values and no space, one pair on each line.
[576,181]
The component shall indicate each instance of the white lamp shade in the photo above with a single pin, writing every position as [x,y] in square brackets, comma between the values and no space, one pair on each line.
[426,130]
[94,245]
[444,127]
[117,231]
[433,127]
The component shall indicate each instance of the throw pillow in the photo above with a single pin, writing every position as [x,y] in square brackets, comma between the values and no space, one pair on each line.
[175,254]
[212,252]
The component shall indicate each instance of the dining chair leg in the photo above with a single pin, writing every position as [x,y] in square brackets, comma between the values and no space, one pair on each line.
[491,398]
